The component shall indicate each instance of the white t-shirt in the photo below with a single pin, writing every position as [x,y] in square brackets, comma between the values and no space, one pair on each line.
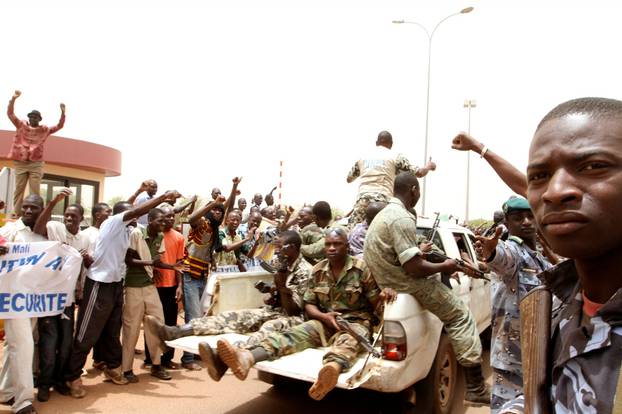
[92,234]
[109,255]
[142,197]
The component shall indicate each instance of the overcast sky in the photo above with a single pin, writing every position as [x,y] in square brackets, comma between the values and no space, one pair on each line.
[194,93]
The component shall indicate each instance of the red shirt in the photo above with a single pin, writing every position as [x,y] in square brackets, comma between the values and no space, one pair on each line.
[28,142]
[173,252]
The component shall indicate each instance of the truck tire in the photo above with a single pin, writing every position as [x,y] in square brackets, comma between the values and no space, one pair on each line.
[442,391]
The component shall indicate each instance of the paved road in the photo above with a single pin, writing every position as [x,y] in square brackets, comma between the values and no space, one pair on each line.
[194,392]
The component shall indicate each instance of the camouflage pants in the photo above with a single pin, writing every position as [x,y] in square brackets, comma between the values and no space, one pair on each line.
[455,315]
[312,334]
[505,387]
[358,212]
[261,322]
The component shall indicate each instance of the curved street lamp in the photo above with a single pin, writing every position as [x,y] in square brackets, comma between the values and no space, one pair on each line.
[427,102]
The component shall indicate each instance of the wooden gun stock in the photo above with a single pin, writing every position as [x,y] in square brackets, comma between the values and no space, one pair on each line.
[535,338]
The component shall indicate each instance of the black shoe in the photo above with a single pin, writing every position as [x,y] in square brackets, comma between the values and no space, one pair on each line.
[62,389]
[159,372]
[43,394]
[131,377]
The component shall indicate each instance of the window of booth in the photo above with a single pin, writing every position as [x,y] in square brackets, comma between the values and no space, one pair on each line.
[84,192]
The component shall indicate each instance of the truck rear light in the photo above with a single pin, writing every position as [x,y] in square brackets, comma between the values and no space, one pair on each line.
[394,341]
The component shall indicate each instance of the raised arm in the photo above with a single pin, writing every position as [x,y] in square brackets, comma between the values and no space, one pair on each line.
[423,171]
[11,109]
[234,192]
[190,204]
[196,216]
[61,121]
[148,205]
[143,187]
[510,175]
[42,221]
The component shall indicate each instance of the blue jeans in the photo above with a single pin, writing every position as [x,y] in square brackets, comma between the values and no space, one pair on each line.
[193,290]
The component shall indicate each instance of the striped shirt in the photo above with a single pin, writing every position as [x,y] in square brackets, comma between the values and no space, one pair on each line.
[199,249]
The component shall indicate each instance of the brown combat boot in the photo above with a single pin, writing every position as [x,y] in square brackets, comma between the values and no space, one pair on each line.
[167,333]
[326,380]
[477,391]
[238,360]
[215,367]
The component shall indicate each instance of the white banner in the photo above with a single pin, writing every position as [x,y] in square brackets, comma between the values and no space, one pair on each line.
[37,279]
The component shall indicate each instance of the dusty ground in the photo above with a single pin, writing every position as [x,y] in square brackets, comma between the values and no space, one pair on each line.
[193,392]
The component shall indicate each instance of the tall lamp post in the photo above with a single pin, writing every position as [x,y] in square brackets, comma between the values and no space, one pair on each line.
[427,102]
[469,104]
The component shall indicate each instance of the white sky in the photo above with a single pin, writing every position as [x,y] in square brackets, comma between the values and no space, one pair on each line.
[196,92]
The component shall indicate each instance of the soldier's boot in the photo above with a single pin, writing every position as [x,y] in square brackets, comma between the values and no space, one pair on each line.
[326,380]
[477,391]
[167,333]
[215,367]
[239,360]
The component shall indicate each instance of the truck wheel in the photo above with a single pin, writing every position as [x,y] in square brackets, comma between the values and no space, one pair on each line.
[441,392]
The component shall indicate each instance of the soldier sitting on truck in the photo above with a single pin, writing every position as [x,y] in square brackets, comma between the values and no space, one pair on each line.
[397,259]
[290,281]
[340,287]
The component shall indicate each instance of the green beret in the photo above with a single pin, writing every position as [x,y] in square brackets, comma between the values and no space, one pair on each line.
[515,204]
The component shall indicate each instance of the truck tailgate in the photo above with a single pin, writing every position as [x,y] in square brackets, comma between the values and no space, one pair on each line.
[301,366]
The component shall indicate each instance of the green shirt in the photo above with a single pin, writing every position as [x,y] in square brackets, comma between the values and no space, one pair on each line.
[392,241]
[137,276]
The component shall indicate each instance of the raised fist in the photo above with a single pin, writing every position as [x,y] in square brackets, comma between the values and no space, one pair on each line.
[17,94]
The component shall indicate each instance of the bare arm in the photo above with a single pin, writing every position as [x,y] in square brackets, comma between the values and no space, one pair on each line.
[231,200]
[238,244]
[40,226]
[11,109]
[61,121]
[143,187]
[510,175]
[148,205]
[196,216]
[418,267]
[190,203]
[423,171]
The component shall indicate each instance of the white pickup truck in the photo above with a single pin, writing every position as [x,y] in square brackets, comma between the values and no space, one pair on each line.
[417,360]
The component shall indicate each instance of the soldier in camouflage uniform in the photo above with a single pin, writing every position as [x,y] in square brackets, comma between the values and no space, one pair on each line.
[517,264]
[340,285]
[397,259]
[376,172]
[313,234]
[291,280]
[574,187]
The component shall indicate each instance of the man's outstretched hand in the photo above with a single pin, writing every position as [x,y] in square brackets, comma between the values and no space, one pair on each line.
[465,142]
[62,107]
[17,94]
[485,246]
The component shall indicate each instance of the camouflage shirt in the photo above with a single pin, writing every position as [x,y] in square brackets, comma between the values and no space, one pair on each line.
[586,352]
[516,267]
[298,279]
[351,293]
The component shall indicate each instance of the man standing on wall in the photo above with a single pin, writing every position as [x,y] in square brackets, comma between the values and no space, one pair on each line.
[27,150]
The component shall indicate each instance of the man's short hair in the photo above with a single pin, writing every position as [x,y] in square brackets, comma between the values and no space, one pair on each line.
[77,207]
[35,198]
[337,231]
[291,237]
[598,108]
[153,213]
[99,207]
[373,209]
[322,210]
[35,113]
[121,207]
[404,182]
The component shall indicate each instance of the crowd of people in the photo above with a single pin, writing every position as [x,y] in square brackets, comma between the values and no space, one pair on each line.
[557,235]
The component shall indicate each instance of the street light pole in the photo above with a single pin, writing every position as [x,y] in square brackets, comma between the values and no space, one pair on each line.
[469,104]
[427,101]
